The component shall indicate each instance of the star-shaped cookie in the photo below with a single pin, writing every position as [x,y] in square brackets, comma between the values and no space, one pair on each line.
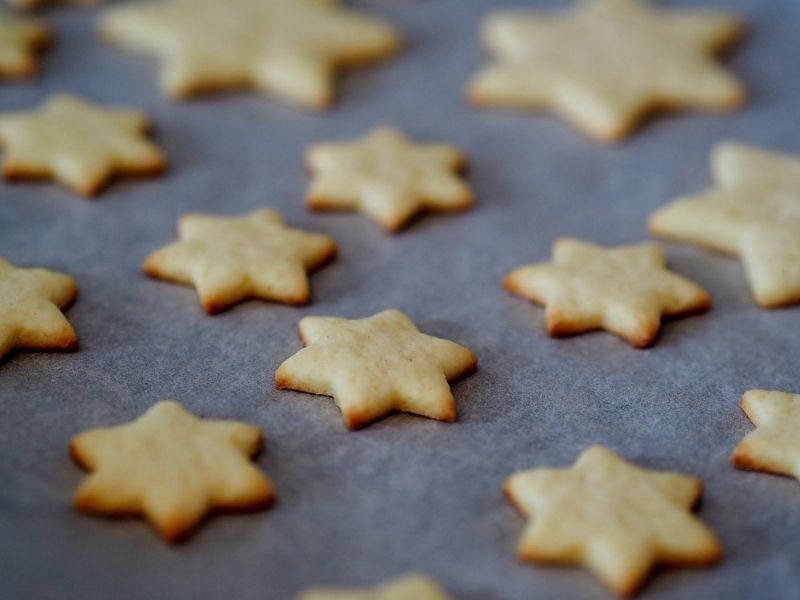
[170,467]
[30,309]
[616,519]
[231,259]
[290,48]
[413,586]
[625,290]
[753,212]
[388,177]
[376,365]
[607,63]
[775,444]
[78,143]
[20,39]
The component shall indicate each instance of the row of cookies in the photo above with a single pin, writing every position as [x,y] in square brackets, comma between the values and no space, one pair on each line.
[617,519]
[566,62]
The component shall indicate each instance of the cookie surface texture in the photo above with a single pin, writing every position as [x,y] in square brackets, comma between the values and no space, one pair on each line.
[605,64]
[753,212]
[20,39]
[30,309]
[171,468]
[412,586]
[78,143]
[387,177]
[375,366]
[289,48]
[231,259]
[775,444]
[616,519]
[624,289]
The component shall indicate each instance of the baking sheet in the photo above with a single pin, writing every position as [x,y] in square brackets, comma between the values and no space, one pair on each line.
[405,493]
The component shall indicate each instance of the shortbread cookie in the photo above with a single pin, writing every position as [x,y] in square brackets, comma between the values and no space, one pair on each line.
[413,586]
[376,365]
[290,48]
[230,259]
[171,468]
[387,177]
[77,143]
[20,39]
[607,63]
[31,301]
[753,212]
[775,445]
[616,519]
[625,290]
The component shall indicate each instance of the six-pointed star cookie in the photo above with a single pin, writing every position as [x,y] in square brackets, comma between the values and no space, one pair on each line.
[753,212]
[230,259]
[170,467]
[413,586]
[19,40]
[775,444]
[287,47]
[615,518]
[606,63]
[78,143]
[624,290]
[376,365]
[30,315]
[387,176]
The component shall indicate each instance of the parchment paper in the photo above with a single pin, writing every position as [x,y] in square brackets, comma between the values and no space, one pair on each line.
[405,493]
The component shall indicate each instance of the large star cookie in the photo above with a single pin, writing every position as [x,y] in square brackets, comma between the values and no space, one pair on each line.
[625,290]
[753,212]
[376,365]
[412,586]
[30,309]
[170,467]
[617,519]
[388,177]
[230,259]
[77,143]
[607,63]
[775,444]
[19,41]
[287,47]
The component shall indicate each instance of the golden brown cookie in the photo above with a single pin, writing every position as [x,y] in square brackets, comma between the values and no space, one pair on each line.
[412,586]
[376,365]
[31,301]
[606,64]
[171,468]
[77,143]
[387,177]
[20,39]
[616,519]
[230,259]
[625,290]
[290,48]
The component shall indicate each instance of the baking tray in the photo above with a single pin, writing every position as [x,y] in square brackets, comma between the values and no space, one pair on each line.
[405,493]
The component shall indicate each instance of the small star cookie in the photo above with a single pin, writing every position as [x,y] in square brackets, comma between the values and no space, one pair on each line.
[617,519]
[290,48]
[625,290]
[753,212]
[412,586]
[607,63]
[376,365]
[230,259]
[170,467]
[775,445]
[19,41]
[78,143]
[30,309]
[388,177]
